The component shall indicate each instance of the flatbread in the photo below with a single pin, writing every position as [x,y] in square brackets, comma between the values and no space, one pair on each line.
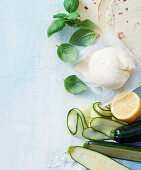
[124,18]
[88,9]
[103,8]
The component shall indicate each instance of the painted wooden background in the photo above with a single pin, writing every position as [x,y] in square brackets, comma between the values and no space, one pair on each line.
[33,102]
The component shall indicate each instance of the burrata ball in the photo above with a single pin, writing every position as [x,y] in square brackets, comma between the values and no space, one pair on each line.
[110,67]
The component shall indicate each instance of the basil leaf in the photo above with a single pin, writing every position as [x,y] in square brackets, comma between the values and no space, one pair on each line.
[60,15]
[73,16]
[86,24]
[67,18]
[67,53]
[55,26]
[72,19]
[73,23]
[71,5]
[74,85]
[83,37]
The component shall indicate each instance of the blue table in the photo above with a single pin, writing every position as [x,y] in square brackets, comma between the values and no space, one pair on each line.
[33,101]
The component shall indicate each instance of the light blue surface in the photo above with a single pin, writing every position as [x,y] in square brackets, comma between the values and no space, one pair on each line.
[33,102]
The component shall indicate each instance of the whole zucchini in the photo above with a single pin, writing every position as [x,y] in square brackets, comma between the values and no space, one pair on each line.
[115,150]
[127,134]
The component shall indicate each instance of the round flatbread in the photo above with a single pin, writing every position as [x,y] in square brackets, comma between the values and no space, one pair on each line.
[124,18]
[103,8]
[88,9]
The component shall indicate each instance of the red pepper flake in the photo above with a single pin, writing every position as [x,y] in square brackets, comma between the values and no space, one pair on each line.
[94,2]
[127,21]
[113,15]
[124,0]
[121,35]
[86,7]
[120,13]
[126,9]
[138,23]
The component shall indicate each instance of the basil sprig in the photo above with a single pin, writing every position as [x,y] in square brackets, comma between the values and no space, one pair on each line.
[74,85]
[83,37]
[67,53]
[72,19]
[60,23]
[56,26]
[71,5]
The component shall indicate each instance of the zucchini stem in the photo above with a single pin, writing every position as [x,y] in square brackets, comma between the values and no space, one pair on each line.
[70,150]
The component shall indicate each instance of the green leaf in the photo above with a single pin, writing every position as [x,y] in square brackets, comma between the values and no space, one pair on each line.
[83,37]
[72,19]
[55,26]
[74,85]
[71,5]
[86,24]
[67,53]
[73,16]
[60,15]
[73,23]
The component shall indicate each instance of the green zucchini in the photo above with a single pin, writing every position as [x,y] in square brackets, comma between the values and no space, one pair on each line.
[127,134]
[76,122]
[103,110]
[120,121]
[93,160]
[115,150]
[94,112]
[108,106]
[104,125]
[99,111]
[86,110]
[92,134]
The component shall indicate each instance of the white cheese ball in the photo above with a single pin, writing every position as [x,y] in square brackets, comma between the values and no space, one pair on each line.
[110,67]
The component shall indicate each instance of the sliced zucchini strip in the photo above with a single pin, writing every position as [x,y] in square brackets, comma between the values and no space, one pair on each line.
[108,106]
[103,110]
[82,117]
[99,111]
[115,150]
[92,134]
[86,110]
[94,112]
[93,160]
[120,121]
[76,122]
[104,125]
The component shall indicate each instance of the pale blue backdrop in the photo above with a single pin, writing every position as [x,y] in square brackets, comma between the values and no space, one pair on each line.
[33,102]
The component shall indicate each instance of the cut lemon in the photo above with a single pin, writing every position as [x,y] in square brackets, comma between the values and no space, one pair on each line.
[126,108]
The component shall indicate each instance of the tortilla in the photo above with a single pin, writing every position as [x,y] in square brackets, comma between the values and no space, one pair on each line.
[88,9]
[124,18]
[103,8]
